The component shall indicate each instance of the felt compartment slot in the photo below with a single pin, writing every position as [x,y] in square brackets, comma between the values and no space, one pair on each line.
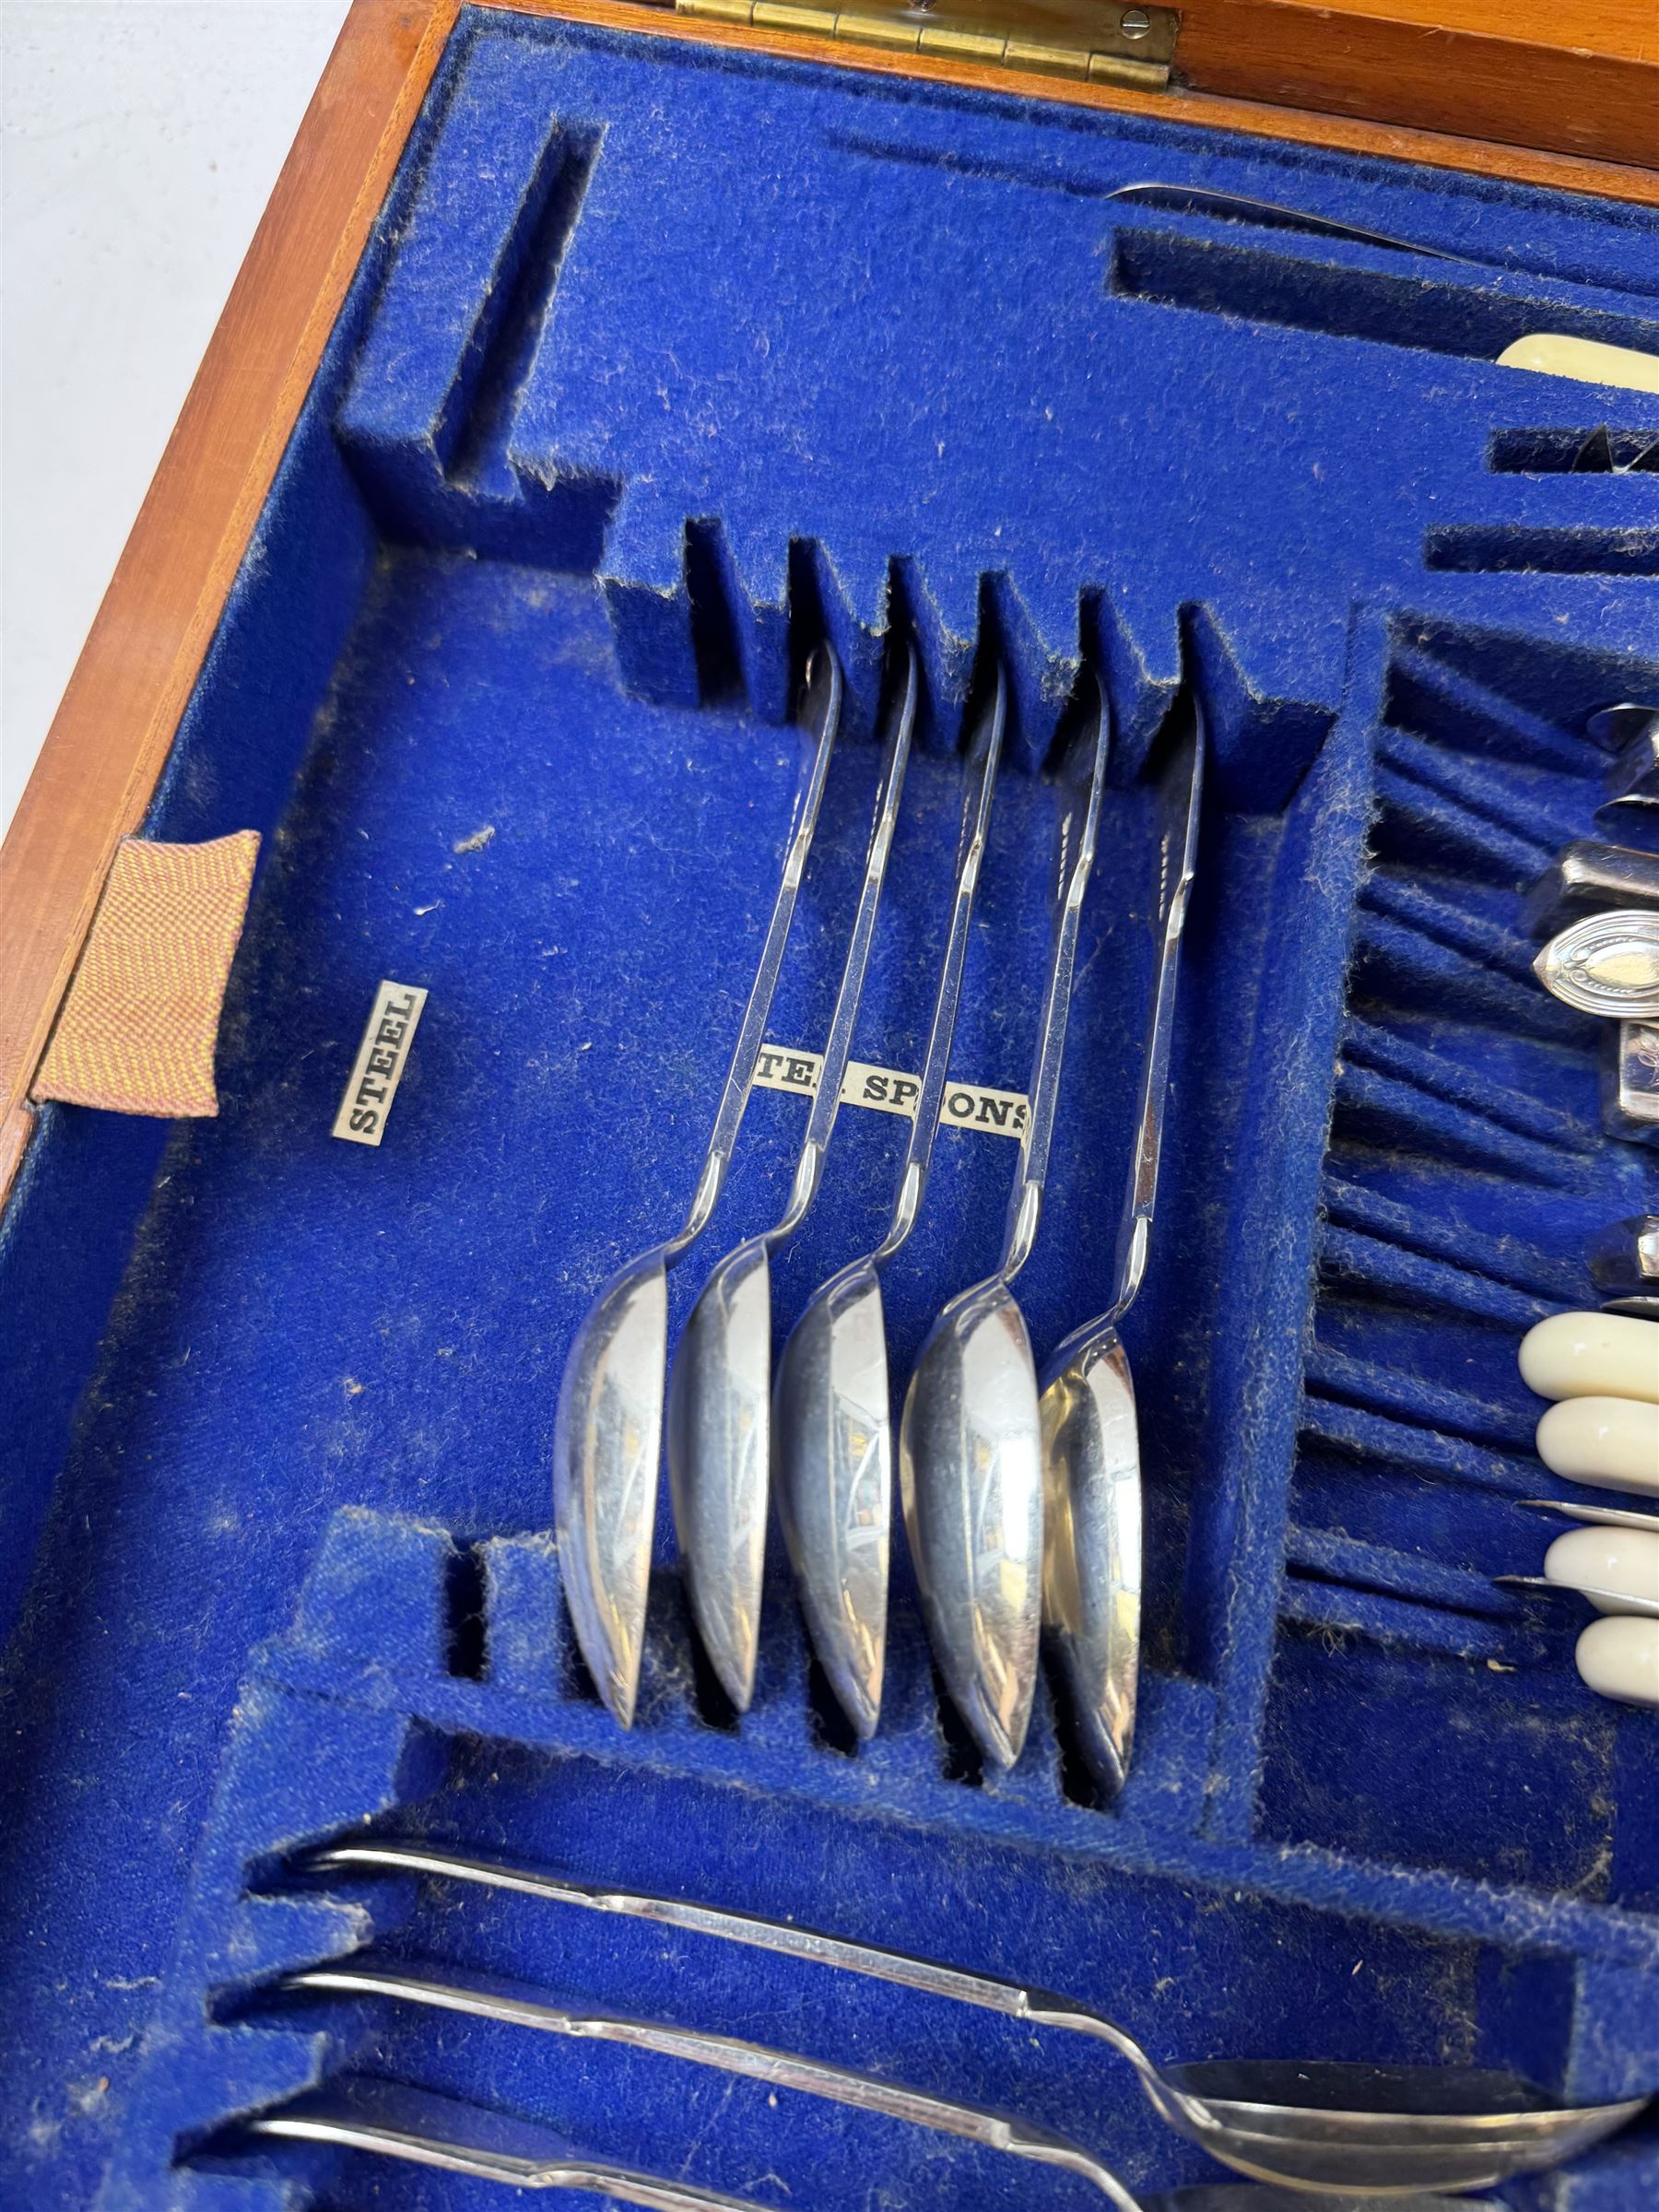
[1430,688]
[1447,1411]
[1577,550]
[1401,1094]
[1375,1266]
[1343,1610]
[1359,292]
[1416,971]
[428,433]
[1358,1564]
[1554,452]
[1379,1443]
[1540,1276]
[1432,1070]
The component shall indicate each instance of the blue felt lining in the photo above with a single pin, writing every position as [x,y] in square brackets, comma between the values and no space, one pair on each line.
[664,361]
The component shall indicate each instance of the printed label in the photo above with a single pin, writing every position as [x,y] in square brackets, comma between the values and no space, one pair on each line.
[380,1060]
[890,1090]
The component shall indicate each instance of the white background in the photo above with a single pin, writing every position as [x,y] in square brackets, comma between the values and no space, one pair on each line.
[141,141]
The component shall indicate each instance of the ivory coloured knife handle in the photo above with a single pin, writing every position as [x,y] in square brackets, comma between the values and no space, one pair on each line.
[1610,1444]
[1586,360]
[1618,1657]
[1591,1356]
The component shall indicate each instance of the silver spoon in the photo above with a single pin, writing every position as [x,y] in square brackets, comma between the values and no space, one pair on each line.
[971,1437]
[1328,2126]
[363,2112]
[509,2005]
[830,1416]
[500,2002]
[720,1386]
[1091,1564]
[608,1435]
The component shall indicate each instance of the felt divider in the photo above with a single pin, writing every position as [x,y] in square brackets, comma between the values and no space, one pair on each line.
[479,254]
[917,414]
[1377,1266]
[1429,685]
[1541,1275]
[1339,1610]
[1365,1566]
[1235,1554]
[1391,1108]
[1352,1430]
[1547,1132]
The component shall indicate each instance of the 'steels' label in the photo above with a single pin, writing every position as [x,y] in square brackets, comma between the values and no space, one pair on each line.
[890,1090]
[381,1058]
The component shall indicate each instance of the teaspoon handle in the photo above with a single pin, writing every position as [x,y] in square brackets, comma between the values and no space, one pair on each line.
[1084,777]
[1179,804]
[727,2054]
[1015,2000]
[837,1046]
[422,2128]
[984,752]
[820,720]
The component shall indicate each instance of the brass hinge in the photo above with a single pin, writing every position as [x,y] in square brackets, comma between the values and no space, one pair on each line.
[1105,43]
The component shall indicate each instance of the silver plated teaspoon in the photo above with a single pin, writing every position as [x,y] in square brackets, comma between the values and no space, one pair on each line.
[363,2112]
[607,1433]
[719,1385]
[971,1438]
[1091,1566]
[831,1421]
[1605,964]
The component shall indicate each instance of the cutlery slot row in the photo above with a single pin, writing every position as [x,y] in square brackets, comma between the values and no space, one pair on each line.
[1466,1169]
[1590,451]
[1518,549]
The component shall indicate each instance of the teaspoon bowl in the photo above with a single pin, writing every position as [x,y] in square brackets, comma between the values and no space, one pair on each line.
[606,1453]
[1375,2130]
[971,1475]
[718,1448]
[833,1446]
[1091,1567]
